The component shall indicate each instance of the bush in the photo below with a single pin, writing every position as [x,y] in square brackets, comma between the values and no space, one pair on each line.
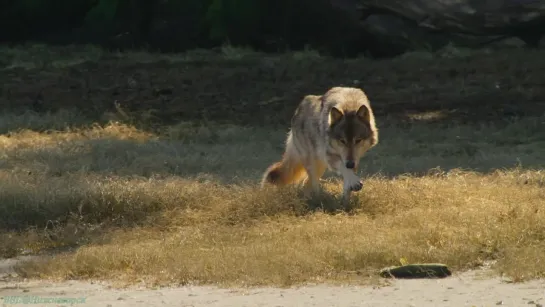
[175,25]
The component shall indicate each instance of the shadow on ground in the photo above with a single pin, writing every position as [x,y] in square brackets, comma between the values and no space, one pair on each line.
[258,90]
[232,154]
[81,167]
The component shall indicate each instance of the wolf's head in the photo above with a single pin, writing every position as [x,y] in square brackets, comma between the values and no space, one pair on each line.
[351,133]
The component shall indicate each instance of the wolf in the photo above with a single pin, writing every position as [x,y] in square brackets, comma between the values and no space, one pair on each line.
[330,131]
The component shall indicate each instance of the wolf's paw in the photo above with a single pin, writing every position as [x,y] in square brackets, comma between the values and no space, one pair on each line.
[354,184]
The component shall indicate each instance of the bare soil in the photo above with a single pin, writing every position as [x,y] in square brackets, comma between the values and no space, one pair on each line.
[469,289]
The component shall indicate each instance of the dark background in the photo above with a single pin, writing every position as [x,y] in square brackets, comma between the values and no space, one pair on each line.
[333,27]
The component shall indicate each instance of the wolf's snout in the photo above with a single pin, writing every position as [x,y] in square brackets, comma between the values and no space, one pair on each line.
[350,164]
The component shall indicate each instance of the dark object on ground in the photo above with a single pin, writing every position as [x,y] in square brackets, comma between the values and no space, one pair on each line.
[420,270]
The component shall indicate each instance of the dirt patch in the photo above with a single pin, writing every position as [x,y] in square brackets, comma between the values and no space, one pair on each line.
[467,289]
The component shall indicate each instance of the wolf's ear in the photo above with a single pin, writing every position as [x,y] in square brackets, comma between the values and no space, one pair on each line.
[363,113]
[335,115]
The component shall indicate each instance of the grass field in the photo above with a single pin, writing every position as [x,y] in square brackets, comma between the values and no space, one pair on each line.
[163,188]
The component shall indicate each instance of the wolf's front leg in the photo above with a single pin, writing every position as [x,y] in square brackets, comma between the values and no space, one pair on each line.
[351,182]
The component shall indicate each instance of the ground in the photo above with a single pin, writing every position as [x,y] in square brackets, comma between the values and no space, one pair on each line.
[144,168]
[469,289]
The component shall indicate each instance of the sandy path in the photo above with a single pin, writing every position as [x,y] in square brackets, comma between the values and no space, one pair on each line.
[467,289]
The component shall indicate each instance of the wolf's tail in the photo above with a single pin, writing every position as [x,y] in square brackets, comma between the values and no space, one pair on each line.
[289,170]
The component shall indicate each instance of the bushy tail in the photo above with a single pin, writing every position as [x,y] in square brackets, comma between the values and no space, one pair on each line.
[284,172]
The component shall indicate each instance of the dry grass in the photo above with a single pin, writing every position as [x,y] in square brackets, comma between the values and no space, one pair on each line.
[450,181]
[183,206]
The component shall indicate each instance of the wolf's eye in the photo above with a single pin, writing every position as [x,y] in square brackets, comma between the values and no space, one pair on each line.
[357,141]
[343,141]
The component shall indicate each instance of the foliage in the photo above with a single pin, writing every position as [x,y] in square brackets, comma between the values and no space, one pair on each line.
[184,24]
